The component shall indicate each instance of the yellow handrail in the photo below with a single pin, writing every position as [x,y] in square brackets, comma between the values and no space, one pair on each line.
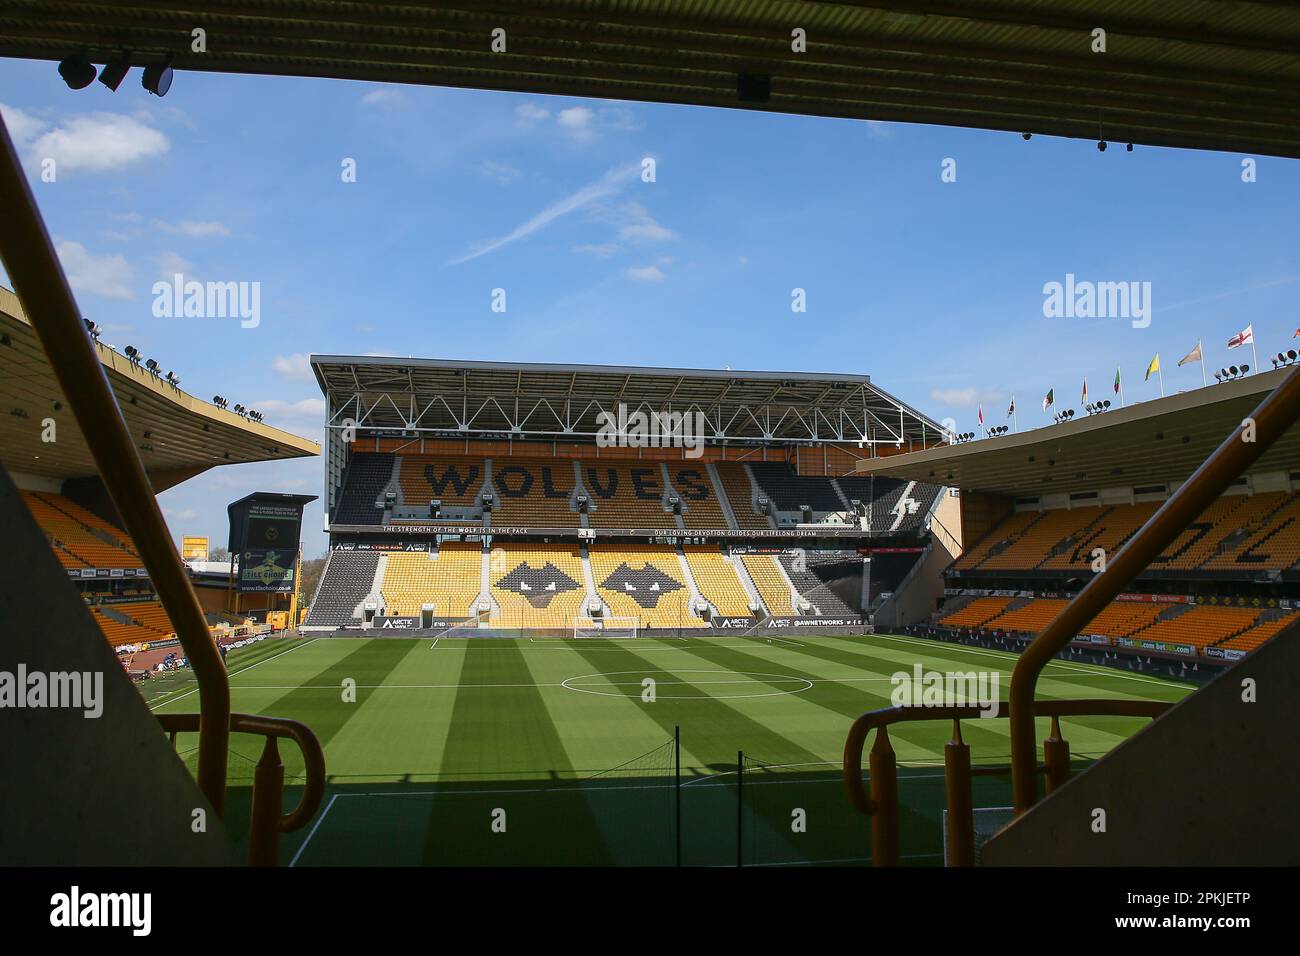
[40,283]
[266,821]
[882,804]
[1279,410]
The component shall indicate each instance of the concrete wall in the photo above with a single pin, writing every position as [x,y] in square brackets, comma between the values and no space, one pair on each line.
[77,791]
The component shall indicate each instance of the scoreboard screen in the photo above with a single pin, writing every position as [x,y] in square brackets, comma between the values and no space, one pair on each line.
[264,532]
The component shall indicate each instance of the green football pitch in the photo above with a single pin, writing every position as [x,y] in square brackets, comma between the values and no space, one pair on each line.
[557,752]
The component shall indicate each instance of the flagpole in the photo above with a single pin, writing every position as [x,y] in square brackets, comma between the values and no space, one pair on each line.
[1015,421]
[1253,353]
[1204,380]
[1161,375]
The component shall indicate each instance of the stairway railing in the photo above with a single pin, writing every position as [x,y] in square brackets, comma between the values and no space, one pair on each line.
[882,803]
[43,289]
[266,820]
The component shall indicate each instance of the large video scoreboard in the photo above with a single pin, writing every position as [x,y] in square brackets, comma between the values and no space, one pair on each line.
[265,533]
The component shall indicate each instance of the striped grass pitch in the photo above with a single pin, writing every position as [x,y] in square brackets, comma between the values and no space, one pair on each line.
[544,752]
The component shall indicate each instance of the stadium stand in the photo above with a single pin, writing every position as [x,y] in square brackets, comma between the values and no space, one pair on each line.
[1200,626]
[453,481]
[717,581]
[367,475]
[644,582]
[79,537]
[1253,637]
[790,492]
[694,486]
[976,613]
[449,579]
[348,578]
[770,582]
[1237,532]
[536,494]
[625,496]
[738,488]
[537,586]
[813,580]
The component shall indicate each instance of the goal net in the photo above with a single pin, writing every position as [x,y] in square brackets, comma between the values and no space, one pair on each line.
[605,627]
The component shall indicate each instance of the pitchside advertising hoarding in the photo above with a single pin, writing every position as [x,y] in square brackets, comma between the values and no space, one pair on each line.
[265,532]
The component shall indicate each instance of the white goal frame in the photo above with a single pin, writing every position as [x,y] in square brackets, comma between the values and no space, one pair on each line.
[610,627]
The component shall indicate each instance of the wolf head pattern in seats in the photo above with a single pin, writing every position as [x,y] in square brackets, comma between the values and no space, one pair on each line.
[538,586]
[644,585]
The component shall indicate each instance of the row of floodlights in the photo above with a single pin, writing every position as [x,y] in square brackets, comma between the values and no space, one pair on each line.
[78,72]
[1285,358]
[998,430]
[1096,408]
[1233,371]
[239,410]
[152,365]
[1063,416]
[961,437]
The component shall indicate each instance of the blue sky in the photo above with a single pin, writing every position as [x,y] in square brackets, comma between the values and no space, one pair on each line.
[935,289]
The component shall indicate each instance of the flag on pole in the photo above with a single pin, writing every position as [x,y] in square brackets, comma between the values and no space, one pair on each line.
[1116,389]
[1297,332]
[1245,337]
[981,416]
[1084,400]
[1193,356]
[1048,399]
[1153,367]
[1011,409]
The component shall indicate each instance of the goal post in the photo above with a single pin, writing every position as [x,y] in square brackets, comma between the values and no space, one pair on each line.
[608,627]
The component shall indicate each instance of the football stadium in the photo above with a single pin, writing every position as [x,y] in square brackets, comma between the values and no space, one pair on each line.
[584,613]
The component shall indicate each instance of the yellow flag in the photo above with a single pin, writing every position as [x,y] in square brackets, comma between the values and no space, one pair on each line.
[1153,367]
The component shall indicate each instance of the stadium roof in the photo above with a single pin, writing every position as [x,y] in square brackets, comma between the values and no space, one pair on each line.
[178,435]
[551,401]
[1192,73]
[1150,443]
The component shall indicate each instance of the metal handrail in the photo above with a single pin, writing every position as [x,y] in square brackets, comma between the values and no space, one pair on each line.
[1279,410]
[267,822]
[882,804]
[40,283]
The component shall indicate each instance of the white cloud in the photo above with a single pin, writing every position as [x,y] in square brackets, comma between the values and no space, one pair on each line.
[169,263]
[578,121]
[381,97]
[503,173]
[23,127]
[954,396]
[601,250]
[296,367]
[878,130]
[193,228]
[107,276]
[606,186]
[185,514]
[96,142]
[277,411]
[531,113]
[967,397]
[645,274]
[638,225]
